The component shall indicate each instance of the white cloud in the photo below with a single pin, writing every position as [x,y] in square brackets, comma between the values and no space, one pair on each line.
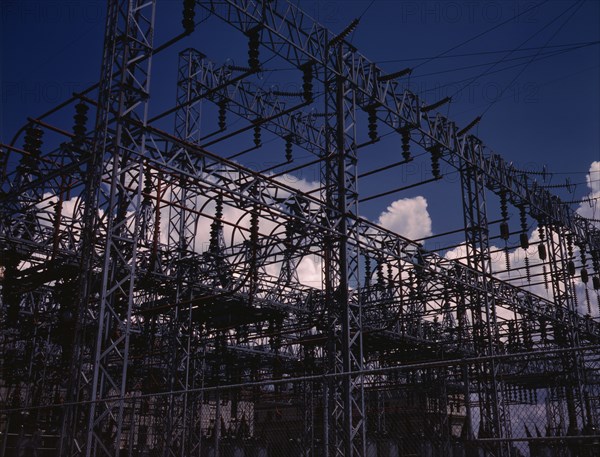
[590,209]
[593,177]
[310,272]
[516,275]
[516,261]
[407,217]
[458,253]
[236,223]
[300,184]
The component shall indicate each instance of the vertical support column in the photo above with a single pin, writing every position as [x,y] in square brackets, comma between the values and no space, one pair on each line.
[568,336]
[554,412]
[118,152]
[493,420]
[342,282]
[182,430]
[188,116]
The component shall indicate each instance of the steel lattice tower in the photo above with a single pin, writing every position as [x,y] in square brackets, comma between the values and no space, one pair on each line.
[152,294]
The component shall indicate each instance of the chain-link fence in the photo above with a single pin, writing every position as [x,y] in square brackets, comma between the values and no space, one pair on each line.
[543,404]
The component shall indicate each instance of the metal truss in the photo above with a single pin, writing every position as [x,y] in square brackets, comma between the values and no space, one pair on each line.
[241,99]
[163,278]
[289,32]
[494,419]
[117,153]
[342,279]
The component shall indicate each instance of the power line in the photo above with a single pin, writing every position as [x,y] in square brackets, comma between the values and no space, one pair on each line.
[508,54]
[481,53]
[532,59]
[537,56]
[500,70]
[366,9]
[482,33]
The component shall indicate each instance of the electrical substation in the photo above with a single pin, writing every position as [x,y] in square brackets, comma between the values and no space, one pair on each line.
[155,299]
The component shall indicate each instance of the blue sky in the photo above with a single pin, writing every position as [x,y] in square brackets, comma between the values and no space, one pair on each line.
[536,77]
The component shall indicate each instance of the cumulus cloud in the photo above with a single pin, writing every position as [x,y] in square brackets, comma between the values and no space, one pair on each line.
[236,224]
[593,177]
[517,272]
[310,272]
[301,184]
[407,217]
[516,275]
[589,209]
[458,253]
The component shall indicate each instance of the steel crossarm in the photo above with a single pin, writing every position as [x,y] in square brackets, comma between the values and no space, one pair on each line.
[291,33]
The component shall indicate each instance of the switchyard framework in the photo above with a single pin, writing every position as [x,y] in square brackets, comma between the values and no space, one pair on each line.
[151,301]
